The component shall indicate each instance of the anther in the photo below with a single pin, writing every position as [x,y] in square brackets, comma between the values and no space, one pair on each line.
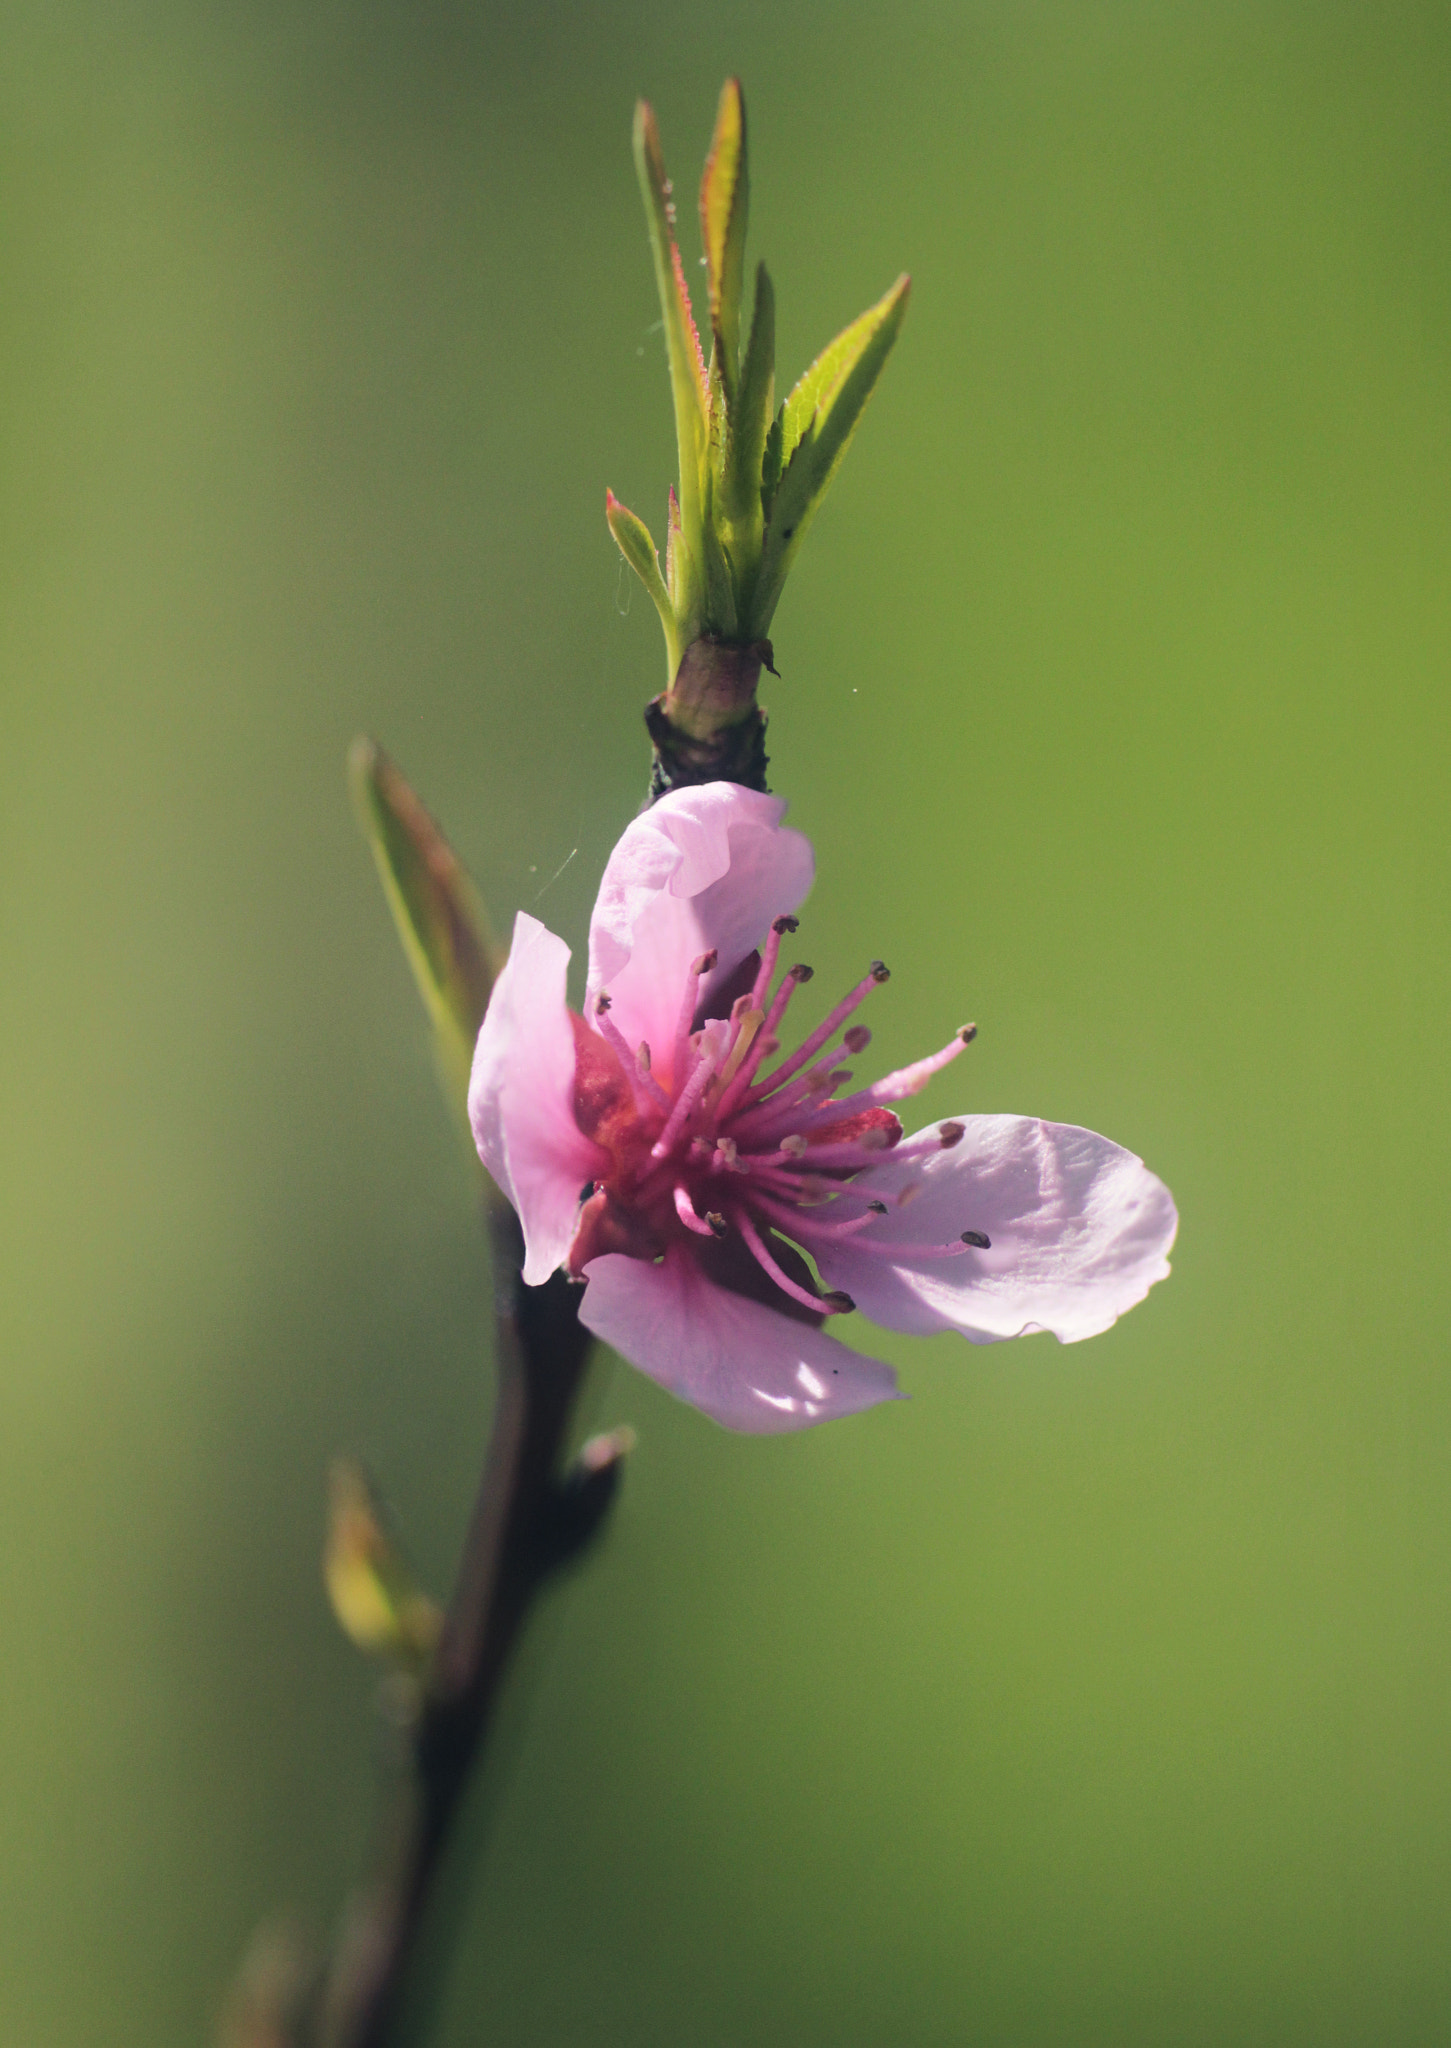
[717,1222]
[951,1134]
[880,971]
[794,1145]
[967,1033]
[877,1208]
[978,1239]
[837,1304]
[704,964]
[857,1039]
[602,1003]
[642,1057]
[801,972]
[586,1191]
[781,925]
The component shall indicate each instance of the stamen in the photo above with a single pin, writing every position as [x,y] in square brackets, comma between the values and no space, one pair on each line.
[925,1144]
[688,1003]
[795,1224]
[766,1041]
[978,1239]
[641,1076]
[718,1225]
[821,1303]
[785,1107]
[685,1102]
[685,1210]
[747,1025]
[904,1253]
[852,1153]
[828,1028]
[911,1080]
[769,956]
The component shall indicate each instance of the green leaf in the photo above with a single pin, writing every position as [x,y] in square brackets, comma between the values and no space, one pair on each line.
[442,923]
[672,548]
[815,392]
[751,414]
[720,582]
[638,548]
[817,422]
[771,467]
[724,203]
[688,380]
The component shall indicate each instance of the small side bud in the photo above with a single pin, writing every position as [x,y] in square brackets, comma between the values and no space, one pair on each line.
[598,1453]
[584,1496]
[378,1603]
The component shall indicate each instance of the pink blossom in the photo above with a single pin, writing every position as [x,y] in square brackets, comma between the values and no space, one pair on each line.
[668,1151]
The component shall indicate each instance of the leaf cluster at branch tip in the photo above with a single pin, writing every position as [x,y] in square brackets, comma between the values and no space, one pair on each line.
[752,475]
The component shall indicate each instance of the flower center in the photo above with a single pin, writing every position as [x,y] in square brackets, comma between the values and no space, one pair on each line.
[703,1146]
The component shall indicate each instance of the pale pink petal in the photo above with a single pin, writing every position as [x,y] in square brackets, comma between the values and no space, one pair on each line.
[521,1098]
[744,1364]
[704,869]
[1080,1230]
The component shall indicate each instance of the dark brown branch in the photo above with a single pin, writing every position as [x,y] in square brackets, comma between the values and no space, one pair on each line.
[527,1519]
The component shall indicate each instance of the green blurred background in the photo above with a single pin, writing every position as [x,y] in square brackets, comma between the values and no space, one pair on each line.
[1098,1696]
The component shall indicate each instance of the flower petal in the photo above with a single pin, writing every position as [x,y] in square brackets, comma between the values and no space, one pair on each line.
[744,1364]
[703,869]
[521,1098]
[1079,1228]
